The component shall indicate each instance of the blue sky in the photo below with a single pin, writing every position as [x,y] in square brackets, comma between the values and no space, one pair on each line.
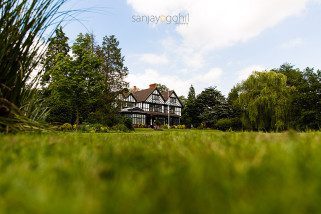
[221,45]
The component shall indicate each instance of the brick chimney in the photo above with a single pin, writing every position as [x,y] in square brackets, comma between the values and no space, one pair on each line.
[154,85]
[135,89]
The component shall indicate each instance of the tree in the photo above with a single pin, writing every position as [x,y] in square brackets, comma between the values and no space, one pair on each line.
[265,101]
[86,79]
[189,117]
[295,80]
[59,91]
[207,108]
[161,87]
[305,103]
[114,73]
[236,110]
[76,83]
[84,87]
[191,94]
[56,64]
[58,46]
[183,100]
[112,67]
[211,106]
[294,75]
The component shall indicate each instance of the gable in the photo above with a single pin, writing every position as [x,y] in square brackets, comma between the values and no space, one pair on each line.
[174,100]
[155,97]
[130,98]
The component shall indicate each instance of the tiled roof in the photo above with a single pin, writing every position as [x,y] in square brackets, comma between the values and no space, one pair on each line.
[165,95]
[143,94]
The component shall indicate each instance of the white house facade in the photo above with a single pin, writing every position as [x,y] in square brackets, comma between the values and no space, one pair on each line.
[147,106]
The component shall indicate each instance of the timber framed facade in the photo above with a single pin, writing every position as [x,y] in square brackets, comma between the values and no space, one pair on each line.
[147,106]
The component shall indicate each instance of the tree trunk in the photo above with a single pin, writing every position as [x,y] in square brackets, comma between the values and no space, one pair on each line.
[77,117]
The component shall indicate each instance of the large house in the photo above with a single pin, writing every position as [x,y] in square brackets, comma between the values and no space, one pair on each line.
[147,106]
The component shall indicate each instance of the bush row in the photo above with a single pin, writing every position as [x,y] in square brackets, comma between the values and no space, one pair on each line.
[94,128]
[233,124]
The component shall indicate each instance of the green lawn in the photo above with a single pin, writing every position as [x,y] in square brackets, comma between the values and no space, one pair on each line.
[160,172]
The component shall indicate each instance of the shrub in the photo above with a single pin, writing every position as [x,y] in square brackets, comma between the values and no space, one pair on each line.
[104,129]
[120,127]
[179,127]
[164,126]
[128,123]
[94,128]
[66,127]
[139,126]
[158,122]
[84,127]
[229,124]
[201,126]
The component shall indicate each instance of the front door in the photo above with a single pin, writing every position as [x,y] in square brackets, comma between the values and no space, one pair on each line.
[149,120]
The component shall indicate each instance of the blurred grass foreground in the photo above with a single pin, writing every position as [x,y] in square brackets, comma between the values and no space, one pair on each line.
[160,172]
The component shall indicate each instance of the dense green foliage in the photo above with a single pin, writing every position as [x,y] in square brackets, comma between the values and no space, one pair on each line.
[264,99]
[75,82]
[160,172]
[276,100]
[114,73]
[84,86]
[162,87]
[206,109]
[189,111]
[306,101]
[211,106]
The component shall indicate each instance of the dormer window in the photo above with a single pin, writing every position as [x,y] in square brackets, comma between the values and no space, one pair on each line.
[173,100]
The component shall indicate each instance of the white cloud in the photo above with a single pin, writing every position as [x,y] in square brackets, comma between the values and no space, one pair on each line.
[175,82]
[210,77]
[246,72]
[213,25]
[188,56]
[217,24]
[154,59]
[142,80]
[293,43]
[156,7]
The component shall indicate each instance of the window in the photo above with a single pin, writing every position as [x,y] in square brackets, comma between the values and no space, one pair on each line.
[155,98]
[172,110]
[155,108]
[166,109]
[146,107]
[130,99]
[173,100]
[129,105]
[138,119]
[178,111]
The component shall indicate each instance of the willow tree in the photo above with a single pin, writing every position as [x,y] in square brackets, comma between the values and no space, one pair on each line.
[265,100]
[23,25]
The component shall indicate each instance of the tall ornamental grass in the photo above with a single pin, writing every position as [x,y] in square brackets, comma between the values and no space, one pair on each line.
[23,27]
